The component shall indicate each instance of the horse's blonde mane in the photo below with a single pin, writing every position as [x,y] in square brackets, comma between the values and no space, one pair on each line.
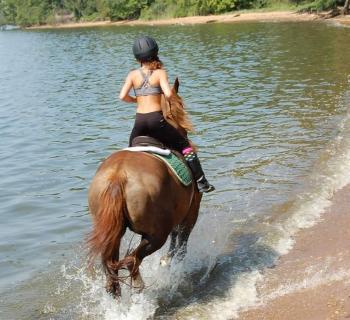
[174,112]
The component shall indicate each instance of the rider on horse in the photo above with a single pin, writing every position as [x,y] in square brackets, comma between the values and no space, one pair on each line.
[149,83]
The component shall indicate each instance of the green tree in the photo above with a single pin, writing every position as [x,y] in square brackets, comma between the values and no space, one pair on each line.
[76,7]
[103,8]
[8,10]
[216,6]
[126,9]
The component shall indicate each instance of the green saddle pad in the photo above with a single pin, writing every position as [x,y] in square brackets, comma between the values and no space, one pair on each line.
[178,167]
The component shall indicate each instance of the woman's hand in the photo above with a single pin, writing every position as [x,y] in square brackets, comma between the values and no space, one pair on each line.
[129,99]
[124,92]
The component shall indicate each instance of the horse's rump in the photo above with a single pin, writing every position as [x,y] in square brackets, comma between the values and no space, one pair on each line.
[150,186]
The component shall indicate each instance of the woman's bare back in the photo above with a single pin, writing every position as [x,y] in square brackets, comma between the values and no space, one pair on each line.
[149,103]
[146,103]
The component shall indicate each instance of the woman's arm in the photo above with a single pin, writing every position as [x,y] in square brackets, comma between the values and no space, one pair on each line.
[124,92]
[164,84]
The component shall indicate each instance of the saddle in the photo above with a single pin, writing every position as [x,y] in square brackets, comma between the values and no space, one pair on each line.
[173,159]
[145,141]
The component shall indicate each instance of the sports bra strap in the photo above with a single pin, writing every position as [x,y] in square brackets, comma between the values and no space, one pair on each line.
[145,76]
[146,89]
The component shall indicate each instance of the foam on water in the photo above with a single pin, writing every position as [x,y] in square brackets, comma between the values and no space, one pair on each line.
[319,278]
[242,293]
[95,303]
[328,177]
[165,286]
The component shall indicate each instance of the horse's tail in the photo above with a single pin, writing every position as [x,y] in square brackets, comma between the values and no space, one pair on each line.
[109,221]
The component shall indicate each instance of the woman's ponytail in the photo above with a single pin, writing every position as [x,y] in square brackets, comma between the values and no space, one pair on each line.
[154,63]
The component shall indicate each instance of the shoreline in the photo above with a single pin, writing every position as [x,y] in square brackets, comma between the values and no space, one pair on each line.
[311,282]
[268,16]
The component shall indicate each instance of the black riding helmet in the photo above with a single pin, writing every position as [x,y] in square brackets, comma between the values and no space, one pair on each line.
[145,48]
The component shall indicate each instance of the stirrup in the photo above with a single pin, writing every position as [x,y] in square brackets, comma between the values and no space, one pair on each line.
[204,186]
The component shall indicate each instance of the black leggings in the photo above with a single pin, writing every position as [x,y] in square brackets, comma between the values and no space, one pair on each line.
[154,125]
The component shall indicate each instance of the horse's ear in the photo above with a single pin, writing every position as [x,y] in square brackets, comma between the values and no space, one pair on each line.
[176,85]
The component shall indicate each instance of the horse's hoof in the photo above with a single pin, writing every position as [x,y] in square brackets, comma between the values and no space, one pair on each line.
[165,261]
[139,288]
[114,290]
[138,284]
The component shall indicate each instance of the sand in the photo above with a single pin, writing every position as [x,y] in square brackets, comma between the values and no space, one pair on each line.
[228,18]
[312,282]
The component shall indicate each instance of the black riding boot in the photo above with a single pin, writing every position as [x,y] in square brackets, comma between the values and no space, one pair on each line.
[196,168]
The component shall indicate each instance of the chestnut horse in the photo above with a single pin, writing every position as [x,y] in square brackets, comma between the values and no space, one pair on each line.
[138,191]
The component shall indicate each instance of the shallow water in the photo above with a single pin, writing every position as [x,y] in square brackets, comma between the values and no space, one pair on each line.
[270,104]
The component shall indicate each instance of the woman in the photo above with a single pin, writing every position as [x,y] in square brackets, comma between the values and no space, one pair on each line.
[149,83]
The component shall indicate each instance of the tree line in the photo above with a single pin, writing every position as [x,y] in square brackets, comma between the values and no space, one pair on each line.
[35,12]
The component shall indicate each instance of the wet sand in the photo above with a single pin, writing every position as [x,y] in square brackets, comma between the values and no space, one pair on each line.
[233,17]
[344,20]
[311,282]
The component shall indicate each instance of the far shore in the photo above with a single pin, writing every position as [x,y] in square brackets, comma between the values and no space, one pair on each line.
[272,16]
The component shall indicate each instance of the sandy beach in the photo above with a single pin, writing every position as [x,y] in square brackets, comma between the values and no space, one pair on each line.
[229,18]
[312,282]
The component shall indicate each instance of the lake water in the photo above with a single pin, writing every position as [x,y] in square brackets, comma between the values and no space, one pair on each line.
[270,105]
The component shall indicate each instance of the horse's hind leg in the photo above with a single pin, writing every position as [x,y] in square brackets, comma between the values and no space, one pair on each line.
[147,246]
[112,285]
[133,268]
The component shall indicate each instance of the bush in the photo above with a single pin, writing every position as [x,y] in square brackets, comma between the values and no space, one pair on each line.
[125,9]
[318,5]
[158,9]
[2,20]
[103,8]
[183,8]
[31,12]
[8,11]
[216,6]
[93,17]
